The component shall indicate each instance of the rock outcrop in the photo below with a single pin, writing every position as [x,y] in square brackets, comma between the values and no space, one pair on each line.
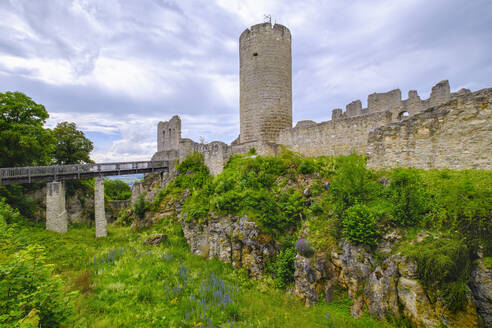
[231,239]
[481,286]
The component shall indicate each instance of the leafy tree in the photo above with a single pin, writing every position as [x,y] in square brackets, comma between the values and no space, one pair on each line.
[116,190]
[72,146]
[23,140]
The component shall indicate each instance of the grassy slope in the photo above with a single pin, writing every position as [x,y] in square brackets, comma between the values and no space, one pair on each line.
[132,289]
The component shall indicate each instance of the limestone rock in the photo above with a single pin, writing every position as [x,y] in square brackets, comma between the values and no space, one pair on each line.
[381,290]
[481,287]
[231,239]
[155,239]
[416,304]
[313,275]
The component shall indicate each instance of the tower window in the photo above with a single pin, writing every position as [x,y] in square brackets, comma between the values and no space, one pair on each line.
[255,54]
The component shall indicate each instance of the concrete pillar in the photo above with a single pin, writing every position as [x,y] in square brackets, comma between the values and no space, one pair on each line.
[56,214]
[99,207]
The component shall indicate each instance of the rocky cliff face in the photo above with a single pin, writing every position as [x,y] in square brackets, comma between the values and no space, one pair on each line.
[231,239]
[384,288]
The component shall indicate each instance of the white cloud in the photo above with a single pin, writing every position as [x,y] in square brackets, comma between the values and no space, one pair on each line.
[118,67]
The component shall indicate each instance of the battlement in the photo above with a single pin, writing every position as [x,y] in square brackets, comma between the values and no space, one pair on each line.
[277,29]
[449,129]
[391,101]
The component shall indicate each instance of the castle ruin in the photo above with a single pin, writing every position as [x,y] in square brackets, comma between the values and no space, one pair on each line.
[448,130]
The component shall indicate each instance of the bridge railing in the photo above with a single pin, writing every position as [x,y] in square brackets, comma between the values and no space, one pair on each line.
[77,169]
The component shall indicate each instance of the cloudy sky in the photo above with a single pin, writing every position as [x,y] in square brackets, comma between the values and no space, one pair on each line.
[117,67]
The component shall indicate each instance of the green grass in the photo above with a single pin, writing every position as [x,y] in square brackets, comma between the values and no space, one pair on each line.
[121,282]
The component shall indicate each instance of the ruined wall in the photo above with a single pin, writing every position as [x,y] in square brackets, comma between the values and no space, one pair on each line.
[265,82]
[391,101]
[215,153]
[335,137]
[447,130]
[169,134]
[456,135]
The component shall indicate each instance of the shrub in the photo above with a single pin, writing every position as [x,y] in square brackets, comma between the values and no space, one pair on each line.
[27,282]
[307,166]
[444,265]
[304,248]
[359,225]
[192,172]
[352,182]
[407,197]
[140,207]
[284,267]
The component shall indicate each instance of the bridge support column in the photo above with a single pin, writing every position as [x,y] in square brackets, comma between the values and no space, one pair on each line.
[56,214]
[99,208]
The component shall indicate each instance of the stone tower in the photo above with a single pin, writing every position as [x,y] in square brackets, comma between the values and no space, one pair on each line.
[265,61]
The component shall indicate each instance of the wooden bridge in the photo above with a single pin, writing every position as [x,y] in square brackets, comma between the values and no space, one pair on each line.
[56,213]
[29,174]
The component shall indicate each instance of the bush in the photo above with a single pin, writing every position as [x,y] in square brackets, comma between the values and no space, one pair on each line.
[407,196]
[27,281]
[352,183]
[283,267]
[461,201]
[140,207]
[359,225]
[192,173]
[117,190]
[444,265]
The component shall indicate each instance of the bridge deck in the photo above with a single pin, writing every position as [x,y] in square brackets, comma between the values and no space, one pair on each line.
[29,174]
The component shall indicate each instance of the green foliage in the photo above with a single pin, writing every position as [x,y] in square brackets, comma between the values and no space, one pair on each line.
[192,173]
[15,196]
[352,183]
[461,201]
[359,225]
[407,196]
[444,265]
[323,165]
[27,281]
[282,267]
[72,146]
[140,207]
[117,190]
[23,140]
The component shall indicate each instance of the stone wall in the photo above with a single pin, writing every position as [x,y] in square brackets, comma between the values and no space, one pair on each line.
[391,101]
[454,135]
[169,134]
[335,137]
[265,82]
[215,153]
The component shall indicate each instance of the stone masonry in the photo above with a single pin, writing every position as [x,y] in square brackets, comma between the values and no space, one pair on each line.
[265,82]
[56,214]
[449,129]
[100,215]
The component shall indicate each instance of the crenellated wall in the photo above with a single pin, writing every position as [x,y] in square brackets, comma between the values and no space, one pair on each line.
[456,135]
[447,130]
[391,101]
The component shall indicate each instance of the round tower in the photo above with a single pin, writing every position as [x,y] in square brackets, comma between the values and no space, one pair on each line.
[265,61]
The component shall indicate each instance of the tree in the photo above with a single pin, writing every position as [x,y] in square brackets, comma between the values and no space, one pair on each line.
[23,140]
[72,146]
[117,190]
